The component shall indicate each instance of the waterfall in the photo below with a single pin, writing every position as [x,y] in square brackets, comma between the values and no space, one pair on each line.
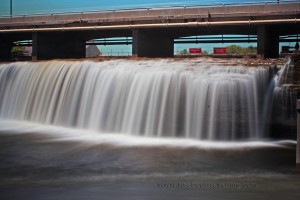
[197,98]
[285,97]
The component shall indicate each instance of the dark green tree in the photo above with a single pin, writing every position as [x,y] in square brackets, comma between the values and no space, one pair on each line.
[17,50]
[235,49]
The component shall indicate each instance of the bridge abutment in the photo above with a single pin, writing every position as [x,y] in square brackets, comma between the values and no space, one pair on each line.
[152,43]
[57,45]
[267,42]
[5,51]
[298,137]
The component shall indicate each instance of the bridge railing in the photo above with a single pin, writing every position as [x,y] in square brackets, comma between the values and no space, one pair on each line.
[155,8]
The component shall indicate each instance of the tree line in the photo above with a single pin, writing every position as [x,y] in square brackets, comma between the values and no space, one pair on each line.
[231,49]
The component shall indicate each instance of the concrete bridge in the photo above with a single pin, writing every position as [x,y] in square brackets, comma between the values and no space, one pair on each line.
[152,30]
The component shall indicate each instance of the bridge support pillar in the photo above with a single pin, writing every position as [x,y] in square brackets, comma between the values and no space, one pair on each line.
[298,137]
[57,45]
[267,42]
[5,51]
[152,43]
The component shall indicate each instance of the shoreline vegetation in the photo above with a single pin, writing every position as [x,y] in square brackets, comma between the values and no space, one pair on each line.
[230,50]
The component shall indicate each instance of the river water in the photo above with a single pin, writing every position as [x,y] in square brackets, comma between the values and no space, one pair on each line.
[60,139]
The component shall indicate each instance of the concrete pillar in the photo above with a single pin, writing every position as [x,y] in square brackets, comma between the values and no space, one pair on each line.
[5,51]
[298,137]
[34,46]
[57,45]
[152,43]
[267,42]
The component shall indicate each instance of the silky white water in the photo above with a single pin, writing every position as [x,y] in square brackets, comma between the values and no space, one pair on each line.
[198,99]
[285,96]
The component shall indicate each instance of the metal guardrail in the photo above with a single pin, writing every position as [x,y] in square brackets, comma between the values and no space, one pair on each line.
[155,8]
[115,53]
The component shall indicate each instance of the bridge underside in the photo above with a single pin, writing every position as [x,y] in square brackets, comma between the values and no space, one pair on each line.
[6,43]
[146,42]
[152,30]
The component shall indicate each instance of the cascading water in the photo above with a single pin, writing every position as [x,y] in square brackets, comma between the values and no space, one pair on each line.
[190,99]
[285,97]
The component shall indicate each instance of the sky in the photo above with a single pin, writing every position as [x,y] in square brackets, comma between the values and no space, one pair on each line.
[27,7]
[51,6]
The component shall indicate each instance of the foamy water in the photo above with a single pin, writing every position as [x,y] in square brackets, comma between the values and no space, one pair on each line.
[56,134]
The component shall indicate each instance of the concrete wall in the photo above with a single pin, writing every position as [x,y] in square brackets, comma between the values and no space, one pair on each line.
[57,45]
[152,43]
[5,51]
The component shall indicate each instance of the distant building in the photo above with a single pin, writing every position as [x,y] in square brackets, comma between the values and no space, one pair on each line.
[92,51]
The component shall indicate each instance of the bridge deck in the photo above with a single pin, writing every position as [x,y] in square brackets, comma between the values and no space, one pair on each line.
[148,16]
